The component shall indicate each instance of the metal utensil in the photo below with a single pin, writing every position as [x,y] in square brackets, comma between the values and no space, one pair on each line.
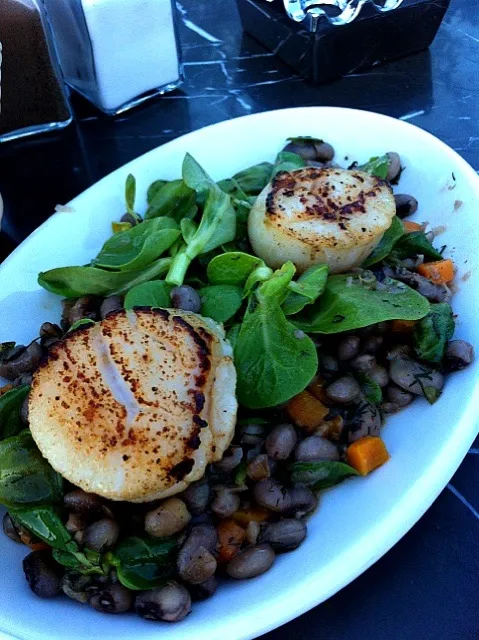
[336,12]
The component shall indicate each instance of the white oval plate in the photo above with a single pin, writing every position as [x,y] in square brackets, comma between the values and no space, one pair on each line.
[356,522]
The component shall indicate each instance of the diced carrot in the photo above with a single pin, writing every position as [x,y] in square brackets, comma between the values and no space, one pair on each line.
[403,326]
[439,272]
[410,226]
[331,429]
[306,411]
[367,454]
[38,546]
[318,389]
[253,514]
[34,543]
[5,389]
[230,536]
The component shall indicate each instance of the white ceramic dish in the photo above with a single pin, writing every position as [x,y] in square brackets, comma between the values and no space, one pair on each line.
[358,521]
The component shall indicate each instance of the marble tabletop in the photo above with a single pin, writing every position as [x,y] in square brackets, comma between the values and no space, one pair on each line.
[427,586]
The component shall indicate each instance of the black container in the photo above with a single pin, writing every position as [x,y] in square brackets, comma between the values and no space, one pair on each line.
[332,51]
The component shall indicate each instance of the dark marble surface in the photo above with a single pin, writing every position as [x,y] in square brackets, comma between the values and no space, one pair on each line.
[427,586]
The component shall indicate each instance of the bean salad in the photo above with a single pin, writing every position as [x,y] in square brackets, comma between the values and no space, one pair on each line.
[344,351]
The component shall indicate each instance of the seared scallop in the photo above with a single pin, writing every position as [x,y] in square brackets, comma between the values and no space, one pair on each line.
[134,407]
[311,216]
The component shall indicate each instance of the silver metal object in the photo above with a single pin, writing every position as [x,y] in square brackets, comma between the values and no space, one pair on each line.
[336,12]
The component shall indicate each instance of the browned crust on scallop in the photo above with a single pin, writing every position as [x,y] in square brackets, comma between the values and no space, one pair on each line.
[328,206]
[71,394]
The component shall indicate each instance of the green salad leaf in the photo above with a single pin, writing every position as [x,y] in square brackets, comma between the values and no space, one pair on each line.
[10,406]
[377,166]
[44,522]
[310,139]
[233,333]
[276,287]
[139,246]
[217,225]
[83,322]
[74,282]
[306,289]
[250,181]
[321,475]
[287,161]
[188,229]
[144,563]
[262,273]
[26,478]
[347,303]
[130,193]
[174,199]
[273,362]
[149,294]
[87,562]
[387,242]
[370,389]
[433,332]
[232,268]
[414,244]
[154,188]
[221,301]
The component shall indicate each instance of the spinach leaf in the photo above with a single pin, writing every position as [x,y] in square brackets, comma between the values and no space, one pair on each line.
[387,242]
[130,194]
[10,405]
[26,478]
[174,199]
[149,294]
[370,389]
[83,322]
[220,301]
[144,563]
[306,289]
[233,333]
[348,304]
[154,188]
[273,364]
[74,282]
[139,246]
[415,244]
[376,166]
[300,139]
[241,473]
[44,522]
[433,332]
[320,475]
[234,189]
[232,268]
[253,180]
[287,161]
[217,225]
[260,274]
[188,229]
[276,286]
[87,562]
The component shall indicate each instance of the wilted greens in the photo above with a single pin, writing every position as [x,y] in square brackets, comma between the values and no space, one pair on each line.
[433,332]
[351,302]
[26,478]
[10,406]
